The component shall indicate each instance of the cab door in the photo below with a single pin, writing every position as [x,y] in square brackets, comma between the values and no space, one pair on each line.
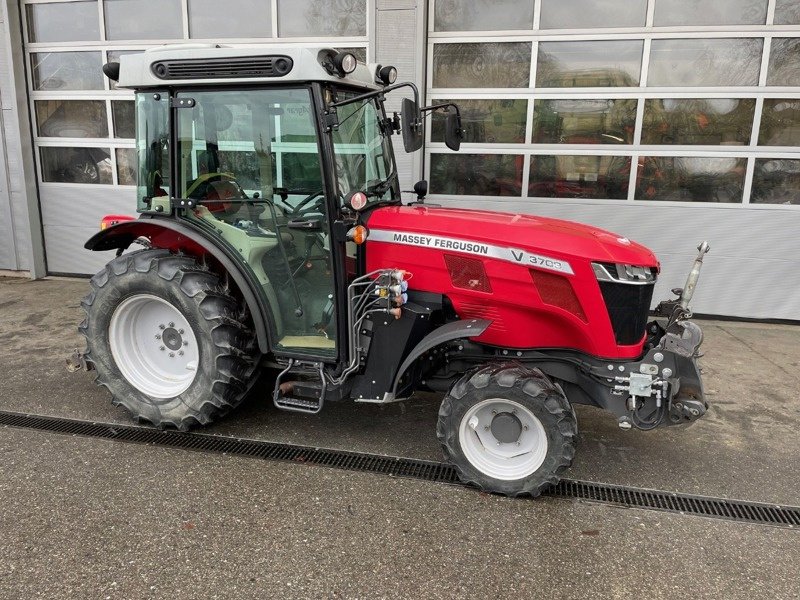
[249,159]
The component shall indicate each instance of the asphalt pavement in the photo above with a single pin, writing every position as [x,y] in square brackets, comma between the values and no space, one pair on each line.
[88,518]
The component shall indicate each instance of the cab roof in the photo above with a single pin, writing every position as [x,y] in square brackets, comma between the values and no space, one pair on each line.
[212,64]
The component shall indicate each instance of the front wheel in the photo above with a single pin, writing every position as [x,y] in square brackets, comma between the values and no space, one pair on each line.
[167,339]
[507,429]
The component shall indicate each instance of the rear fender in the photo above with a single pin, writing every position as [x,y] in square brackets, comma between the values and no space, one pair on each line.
[179,237]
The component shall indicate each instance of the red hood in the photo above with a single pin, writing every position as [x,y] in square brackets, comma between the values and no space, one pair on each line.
[555,237]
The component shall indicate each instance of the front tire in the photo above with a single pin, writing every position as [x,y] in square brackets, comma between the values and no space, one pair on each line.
[507,429]
[167,339]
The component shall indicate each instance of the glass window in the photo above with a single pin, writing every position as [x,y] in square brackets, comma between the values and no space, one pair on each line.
[76,165]
[784,62]
[580,176]
[123,114]
[363,153]
[490,65]
[590,14]
[72,118]
[113,56]
[705,62]
[208,20]
[126,165]
[584,121]
[710,12]
[67,71]
[476,174]
[690,179]
[787,12]
[310,18]
[143,19]
[710,121]
[482,15]
[780,122]
[63,22]
[589,64]
[776,181]
[486,121]
[152,147]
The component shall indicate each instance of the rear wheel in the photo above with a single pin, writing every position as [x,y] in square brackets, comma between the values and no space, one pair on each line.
[507,429]
[167,339]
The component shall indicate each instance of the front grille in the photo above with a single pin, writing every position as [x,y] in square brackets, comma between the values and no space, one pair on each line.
[223,68]
[628,308]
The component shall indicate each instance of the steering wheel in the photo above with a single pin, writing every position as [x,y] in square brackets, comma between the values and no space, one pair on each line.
[298,210]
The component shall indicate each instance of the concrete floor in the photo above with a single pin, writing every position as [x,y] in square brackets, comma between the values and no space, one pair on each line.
[95,519]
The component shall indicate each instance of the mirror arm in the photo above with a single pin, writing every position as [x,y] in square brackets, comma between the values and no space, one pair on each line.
[377,93]
[438,106]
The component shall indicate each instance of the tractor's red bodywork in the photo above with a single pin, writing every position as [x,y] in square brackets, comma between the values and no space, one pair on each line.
[530,305]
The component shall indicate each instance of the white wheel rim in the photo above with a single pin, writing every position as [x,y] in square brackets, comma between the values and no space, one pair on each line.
[502,460]
[154,346]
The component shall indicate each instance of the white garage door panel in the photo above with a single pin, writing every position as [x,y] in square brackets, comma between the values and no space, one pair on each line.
[84,205]
[65,251]
[753,269]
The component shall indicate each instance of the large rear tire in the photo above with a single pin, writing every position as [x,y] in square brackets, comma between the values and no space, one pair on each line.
[167,339]
[507,429]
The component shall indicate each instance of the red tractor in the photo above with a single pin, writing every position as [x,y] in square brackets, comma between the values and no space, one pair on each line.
[273,237]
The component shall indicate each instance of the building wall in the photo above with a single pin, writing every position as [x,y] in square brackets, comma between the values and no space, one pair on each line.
[668,121]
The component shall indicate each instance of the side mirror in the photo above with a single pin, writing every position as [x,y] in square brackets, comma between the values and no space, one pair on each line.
[421,189]
[453,134]
[411,125]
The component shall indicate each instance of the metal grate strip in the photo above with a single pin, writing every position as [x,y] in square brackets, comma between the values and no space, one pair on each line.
[720,508]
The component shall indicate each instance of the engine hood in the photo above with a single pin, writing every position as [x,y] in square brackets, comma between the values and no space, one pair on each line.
[541,236]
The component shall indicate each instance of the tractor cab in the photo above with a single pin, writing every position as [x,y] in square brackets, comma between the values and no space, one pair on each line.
[263,153]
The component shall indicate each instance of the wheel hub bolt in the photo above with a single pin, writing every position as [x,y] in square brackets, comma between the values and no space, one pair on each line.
[171,324]
[486,428]
[162,348]
[162,326]
[172,355]
[158,337]
[180,331]
[180,353]
[185,343]
[525,428]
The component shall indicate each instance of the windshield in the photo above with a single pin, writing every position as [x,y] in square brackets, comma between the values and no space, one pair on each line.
[363,153]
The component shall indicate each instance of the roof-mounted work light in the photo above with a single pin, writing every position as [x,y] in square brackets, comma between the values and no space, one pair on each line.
[345,63]
[386,75]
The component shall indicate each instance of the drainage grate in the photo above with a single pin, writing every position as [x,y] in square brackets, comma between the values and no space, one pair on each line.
[720,508]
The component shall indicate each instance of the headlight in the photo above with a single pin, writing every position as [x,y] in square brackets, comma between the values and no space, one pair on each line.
[620,273]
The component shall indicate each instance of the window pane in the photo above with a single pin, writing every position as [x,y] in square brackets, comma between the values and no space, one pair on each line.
[579,176]
[776,181]
[123,114]
[780,122]
[705,62]
[695,179]
[784,62]
[486,121]
[495,65]
[67,71]
[710,12]
[483,15]
[63,22]
[72,118]
[589,14]
[787,12]
[76,165]
[143,19]
[476,174]
[308,18]
[589,64]
[113,56]
[126,166]
[698,121]
[584,121]
[207,20]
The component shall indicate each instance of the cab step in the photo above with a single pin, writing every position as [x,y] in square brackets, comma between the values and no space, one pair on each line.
[306,395]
